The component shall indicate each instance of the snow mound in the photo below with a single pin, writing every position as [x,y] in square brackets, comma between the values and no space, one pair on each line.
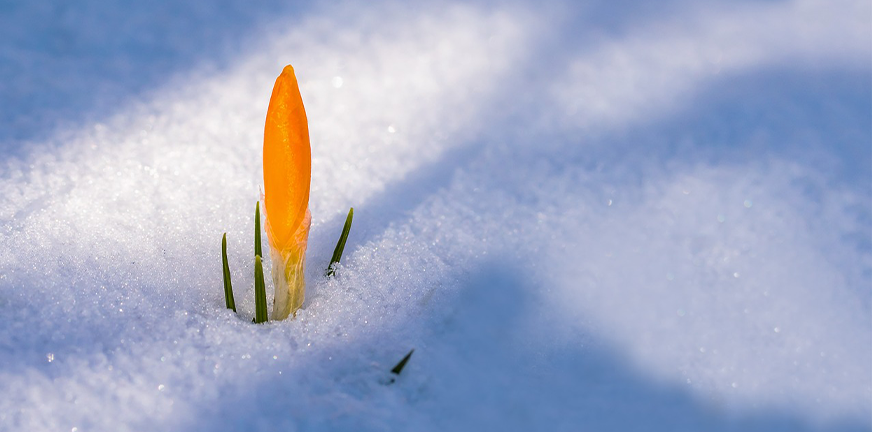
[643,223]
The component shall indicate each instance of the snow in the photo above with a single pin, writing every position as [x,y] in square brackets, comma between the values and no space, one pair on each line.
[581,215]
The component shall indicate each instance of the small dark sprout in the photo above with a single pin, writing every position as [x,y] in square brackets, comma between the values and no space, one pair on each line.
[228,287]
[340,245]
[399,367]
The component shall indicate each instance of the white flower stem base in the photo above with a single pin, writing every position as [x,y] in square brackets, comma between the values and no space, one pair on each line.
[288,268]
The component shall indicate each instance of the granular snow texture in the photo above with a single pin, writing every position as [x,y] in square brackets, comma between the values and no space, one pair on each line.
[581,215]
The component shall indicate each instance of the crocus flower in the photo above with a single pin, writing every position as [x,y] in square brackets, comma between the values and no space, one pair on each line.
[287,171]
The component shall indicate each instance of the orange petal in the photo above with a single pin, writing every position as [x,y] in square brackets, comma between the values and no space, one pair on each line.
[287,161]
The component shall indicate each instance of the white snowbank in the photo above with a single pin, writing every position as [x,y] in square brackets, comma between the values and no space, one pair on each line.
[658,228]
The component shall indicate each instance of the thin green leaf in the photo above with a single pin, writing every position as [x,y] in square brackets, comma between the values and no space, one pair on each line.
[399,367]
[257,247]
[228,287]
[340,245]
[260,315]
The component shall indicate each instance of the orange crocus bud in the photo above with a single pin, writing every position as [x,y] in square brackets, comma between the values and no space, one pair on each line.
[287,172]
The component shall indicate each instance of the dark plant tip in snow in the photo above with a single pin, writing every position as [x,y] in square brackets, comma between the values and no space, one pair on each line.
[340,245]
[399,367]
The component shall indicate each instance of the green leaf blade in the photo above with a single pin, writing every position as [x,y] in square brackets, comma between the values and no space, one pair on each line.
[260,315]
[228,286]
[399,367]
[340,245]
[257,246]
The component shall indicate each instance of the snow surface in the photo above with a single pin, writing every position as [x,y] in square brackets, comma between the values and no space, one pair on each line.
[582,216]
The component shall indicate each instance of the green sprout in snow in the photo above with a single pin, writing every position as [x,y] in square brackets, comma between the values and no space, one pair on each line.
[228,287]
[399,367]
[340,245]
[261,315]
